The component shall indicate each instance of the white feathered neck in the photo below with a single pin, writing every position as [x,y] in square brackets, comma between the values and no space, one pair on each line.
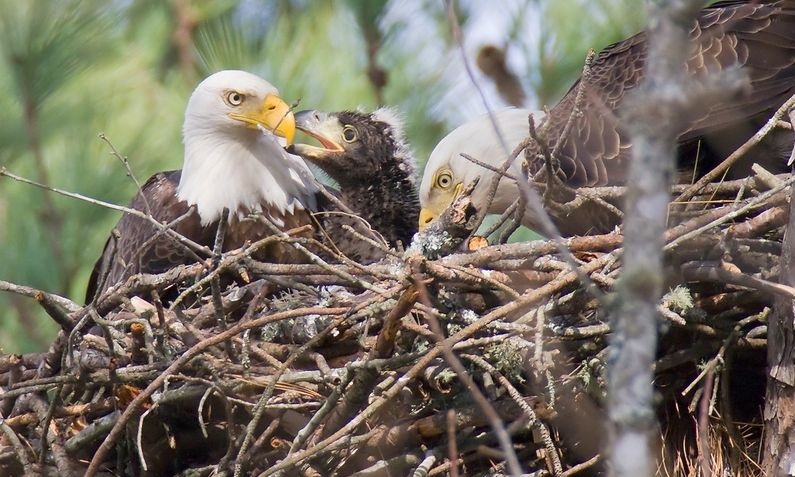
[245,171]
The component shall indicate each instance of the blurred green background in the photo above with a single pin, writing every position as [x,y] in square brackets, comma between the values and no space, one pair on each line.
[72,69]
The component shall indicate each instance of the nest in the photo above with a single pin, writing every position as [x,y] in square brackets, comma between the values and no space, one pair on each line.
[426,363]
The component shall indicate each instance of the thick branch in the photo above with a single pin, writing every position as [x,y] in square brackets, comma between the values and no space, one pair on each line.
[656,110]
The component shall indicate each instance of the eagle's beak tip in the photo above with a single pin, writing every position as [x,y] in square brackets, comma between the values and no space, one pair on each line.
[426,218]
[288,131]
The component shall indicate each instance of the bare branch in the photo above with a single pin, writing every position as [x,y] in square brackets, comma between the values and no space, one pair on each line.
[630,374]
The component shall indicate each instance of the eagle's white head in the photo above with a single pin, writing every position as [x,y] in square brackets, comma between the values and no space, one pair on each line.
[447,173]
[234,131]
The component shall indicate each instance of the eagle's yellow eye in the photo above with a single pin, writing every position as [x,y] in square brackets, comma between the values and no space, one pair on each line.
[444,180]
[349,134]
[234,98]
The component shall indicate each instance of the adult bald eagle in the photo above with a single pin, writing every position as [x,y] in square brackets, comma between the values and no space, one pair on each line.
[233,160]
[757,37]
[447,172]
[366,154]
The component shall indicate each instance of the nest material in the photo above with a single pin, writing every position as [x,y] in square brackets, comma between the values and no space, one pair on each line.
[409,366]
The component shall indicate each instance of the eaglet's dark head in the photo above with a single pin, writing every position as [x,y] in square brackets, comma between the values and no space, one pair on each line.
[355,146]
[366,155]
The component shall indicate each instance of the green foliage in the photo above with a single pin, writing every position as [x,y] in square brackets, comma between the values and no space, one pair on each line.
[47,43]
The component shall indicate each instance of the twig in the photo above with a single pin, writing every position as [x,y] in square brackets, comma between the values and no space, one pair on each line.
[725,217]
[451,442]
[494,418]
[34,293]
[215,282]
[379,246]
[317,418]
[533,420]
[509,212]
[138,438]
[740,152]
[704,272]
[426,464]
[497,170]
[123,159]
[137,213]
[579,101]
[19,449]
[192,352]
[50,434]
[718,358]
[703,425]
[576,469]
[495,182]
[516,221]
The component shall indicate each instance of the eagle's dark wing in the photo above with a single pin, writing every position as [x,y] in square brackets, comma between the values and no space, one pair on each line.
[138,246]
[759,37]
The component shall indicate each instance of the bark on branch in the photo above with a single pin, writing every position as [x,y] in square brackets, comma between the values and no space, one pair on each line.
[655,115]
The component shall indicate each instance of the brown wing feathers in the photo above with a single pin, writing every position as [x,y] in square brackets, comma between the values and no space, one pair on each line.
[758,37]
[136,245]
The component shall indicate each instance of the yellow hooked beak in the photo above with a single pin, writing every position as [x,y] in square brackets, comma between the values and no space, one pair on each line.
[439,201]
[426,217]
[273,114]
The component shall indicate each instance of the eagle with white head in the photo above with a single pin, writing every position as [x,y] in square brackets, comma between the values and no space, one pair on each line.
[234,133]
[447,172]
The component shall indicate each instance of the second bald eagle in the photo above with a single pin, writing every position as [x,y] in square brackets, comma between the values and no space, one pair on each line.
[756,37]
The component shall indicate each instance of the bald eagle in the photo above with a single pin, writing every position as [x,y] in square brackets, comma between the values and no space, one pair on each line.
[757,37]
[234,129]
[366,154]
[447,172]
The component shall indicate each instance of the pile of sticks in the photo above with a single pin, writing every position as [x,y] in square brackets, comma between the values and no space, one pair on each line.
[434,361]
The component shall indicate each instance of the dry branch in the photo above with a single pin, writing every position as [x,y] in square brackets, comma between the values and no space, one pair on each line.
[665,92]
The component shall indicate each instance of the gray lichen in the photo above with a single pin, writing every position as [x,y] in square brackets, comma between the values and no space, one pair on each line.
[431,244]
[679,299]
[508,358]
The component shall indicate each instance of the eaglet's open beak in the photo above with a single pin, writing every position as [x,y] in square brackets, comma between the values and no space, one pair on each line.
[321,126]
[273,114]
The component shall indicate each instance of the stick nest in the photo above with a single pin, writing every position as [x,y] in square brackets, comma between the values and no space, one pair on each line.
[424,362]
